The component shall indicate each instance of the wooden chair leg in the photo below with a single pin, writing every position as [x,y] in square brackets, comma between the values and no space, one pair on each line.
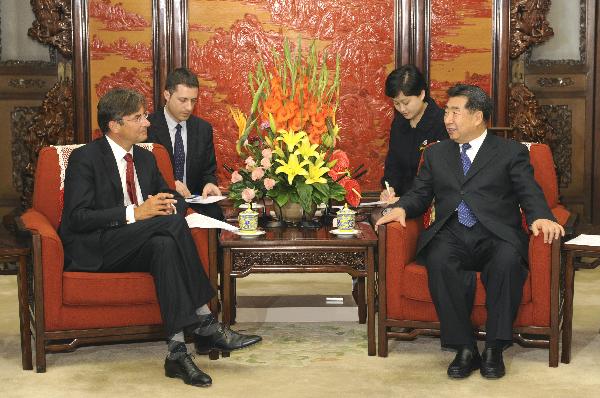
[40,355]
[24,321]
[553,351]
[382,341]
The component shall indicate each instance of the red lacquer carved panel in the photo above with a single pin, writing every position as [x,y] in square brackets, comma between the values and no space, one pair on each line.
[461,45]
[227,38]
[120,49]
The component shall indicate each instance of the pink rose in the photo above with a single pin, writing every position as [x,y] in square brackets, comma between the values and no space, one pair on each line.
[265,162]
[248,194]
[249,161]
[269,183]
[267,153]
[257,174]
[236,177]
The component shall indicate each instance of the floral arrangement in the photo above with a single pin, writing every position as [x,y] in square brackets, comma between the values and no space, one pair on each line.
[287,140]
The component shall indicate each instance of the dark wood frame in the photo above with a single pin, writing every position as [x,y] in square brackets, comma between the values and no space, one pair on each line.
[548,336]
[412,46]
[169,44]
[592,169]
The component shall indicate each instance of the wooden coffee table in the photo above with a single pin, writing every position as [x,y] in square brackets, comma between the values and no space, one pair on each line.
[300,250]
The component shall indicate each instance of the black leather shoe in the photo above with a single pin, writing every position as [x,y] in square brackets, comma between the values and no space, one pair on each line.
[225,340]
[185,369]
[464,363]
[492,364]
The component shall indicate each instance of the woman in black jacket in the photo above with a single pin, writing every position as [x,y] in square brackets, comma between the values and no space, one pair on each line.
[417,122]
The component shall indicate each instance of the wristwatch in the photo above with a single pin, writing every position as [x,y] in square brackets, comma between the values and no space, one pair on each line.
[386,210]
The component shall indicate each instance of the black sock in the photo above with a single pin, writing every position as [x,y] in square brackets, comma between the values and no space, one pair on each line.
[207,326]
[176,349]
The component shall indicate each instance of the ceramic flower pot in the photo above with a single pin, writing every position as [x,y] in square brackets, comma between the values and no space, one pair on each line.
[293,213]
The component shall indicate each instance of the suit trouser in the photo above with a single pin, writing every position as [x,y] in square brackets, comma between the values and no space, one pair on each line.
[452,258]
[163,246]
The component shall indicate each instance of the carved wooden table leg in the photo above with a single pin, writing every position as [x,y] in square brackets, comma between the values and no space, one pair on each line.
[371,301]
[362,306]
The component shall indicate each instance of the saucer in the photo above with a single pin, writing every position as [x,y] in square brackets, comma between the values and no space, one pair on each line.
[254,206]
[344,233]
[249,234]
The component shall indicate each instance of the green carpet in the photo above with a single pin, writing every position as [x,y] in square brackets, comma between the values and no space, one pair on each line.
[305,360]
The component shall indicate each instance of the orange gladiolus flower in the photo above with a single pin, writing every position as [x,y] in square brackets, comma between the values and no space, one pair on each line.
[272,105]
[318,119]
[315,138]
[296,123]
[312,107]
[283,114]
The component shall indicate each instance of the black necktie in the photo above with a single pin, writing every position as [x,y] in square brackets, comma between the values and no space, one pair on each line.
[179,155]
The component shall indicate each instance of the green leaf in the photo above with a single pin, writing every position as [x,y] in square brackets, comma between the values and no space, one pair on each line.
[322,188]
[336,191]
[305,193]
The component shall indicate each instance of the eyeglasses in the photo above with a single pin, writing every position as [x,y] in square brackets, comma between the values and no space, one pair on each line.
[138,118]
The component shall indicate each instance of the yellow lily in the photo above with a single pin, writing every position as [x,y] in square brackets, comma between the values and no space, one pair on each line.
[290,138]
[292,167]
[306,149]
[240,120]
[316,171]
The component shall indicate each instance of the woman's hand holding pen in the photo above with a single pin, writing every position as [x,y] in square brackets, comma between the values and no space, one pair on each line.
[388,194]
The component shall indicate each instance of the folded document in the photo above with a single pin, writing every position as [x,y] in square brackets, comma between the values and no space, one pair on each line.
[204,201]
[196,220]
[585,240]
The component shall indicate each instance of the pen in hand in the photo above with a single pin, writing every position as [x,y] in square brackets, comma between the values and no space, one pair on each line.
[387,187]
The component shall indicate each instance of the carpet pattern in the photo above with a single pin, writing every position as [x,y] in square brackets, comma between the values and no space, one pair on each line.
[305,360]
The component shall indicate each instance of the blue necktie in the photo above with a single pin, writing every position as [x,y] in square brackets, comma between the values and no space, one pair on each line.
[179,154]
[465,215]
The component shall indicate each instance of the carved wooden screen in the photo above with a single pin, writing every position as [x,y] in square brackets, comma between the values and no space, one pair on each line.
[115,46]
[462,41]
[226,39]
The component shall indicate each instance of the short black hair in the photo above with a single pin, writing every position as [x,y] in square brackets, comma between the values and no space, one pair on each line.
[477,99]
[117,103]
[181,76]
[407,79]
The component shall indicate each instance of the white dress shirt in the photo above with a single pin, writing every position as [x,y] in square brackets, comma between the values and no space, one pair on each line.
[119,154]
[172,123]
[475,145]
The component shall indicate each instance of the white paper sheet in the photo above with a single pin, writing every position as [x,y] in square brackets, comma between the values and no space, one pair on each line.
[365,204]
[585,240]
[204,201]
[196,220]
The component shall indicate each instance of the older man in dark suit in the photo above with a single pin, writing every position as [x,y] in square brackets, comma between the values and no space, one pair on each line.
[479,183]
[120,216]
[188,139]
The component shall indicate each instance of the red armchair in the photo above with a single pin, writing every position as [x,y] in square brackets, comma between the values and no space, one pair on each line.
[68,309]
[405,306]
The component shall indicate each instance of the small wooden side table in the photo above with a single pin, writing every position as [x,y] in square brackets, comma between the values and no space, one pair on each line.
[298,250]
[12,251]
[573,252]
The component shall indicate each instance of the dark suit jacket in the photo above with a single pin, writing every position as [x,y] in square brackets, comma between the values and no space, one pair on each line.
[404,153]
[200,162]
[498,182]
[93,200]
